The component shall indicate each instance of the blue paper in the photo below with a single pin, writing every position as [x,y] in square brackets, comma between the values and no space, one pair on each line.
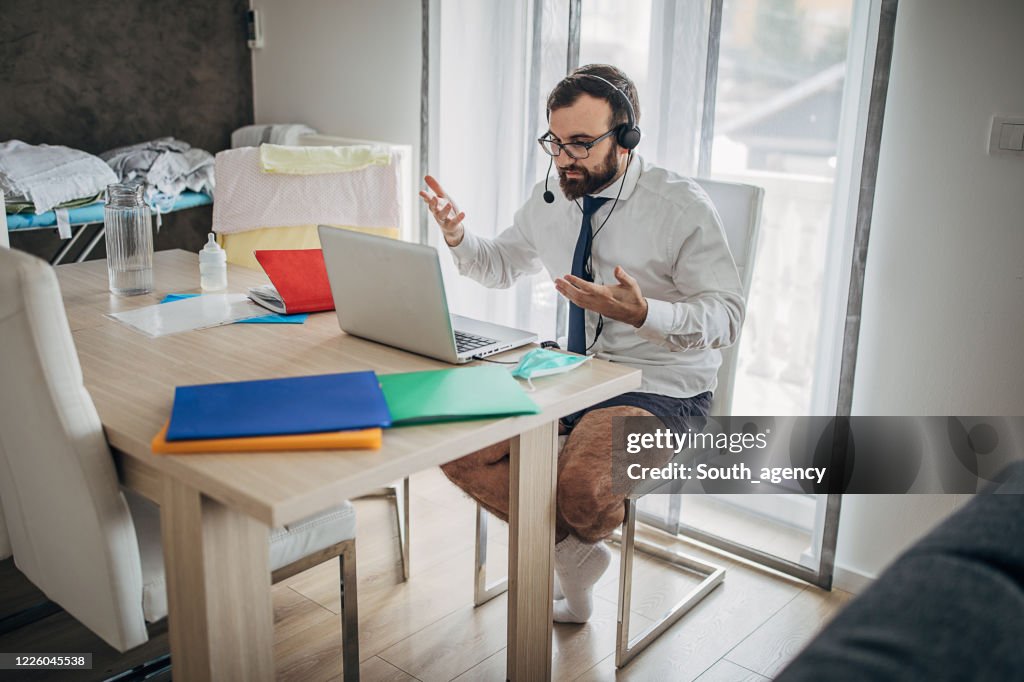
[270,318]
[272,407]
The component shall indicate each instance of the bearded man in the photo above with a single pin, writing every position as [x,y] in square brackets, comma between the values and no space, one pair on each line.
[651,284]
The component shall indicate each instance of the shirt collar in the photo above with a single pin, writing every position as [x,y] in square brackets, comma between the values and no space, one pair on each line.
[632,176]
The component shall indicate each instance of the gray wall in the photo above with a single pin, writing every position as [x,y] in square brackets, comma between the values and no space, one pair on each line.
[943,312]
[98,74]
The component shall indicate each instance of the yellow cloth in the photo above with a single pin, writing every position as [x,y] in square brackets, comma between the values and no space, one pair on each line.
[240,245]
[363,439]
[276,158]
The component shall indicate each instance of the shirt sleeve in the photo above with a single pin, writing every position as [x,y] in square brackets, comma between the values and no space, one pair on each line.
[710,311]
[497,263]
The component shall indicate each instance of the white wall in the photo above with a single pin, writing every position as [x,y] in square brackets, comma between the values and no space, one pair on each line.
[349,68]
[943,313]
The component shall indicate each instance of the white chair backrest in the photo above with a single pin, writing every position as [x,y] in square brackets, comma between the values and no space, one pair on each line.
[69,525]
[739,207]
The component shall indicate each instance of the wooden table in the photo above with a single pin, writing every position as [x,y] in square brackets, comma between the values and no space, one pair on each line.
[216,509]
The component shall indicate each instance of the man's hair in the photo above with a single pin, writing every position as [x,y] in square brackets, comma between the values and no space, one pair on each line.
[577,83]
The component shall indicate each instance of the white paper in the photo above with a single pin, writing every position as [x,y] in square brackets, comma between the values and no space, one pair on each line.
[188,314]
[267,296]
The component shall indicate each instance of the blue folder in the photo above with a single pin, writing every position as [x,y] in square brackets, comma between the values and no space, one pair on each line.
[271,407]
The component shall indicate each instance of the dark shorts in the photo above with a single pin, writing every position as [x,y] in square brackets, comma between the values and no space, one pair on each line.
[674,412]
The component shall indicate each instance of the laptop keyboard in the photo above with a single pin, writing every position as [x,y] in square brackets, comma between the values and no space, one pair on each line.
[466,343]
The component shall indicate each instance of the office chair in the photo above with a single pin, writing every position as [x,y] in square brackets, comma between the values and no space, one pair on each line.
[739,207]
[89,546]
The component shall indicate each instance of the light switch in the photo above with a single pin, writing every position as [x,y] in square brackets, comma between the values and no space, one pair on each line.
[1006,136]
[1011,137]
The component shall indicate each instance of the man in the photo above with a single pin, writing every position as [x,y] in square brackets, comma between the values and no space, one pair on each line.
[652,285]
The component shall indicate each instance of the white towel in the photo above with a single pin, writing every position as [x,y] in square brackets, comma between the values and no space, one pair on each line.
[247,198]
[282,133]
[49,175]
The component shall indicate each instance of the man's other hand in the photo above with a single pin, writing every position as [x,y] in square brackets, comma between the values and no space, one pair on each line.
[445,212]
[623,302]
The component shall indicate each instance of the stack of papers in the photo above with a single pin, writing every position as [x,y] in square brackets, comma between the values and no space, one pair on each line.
[188,314]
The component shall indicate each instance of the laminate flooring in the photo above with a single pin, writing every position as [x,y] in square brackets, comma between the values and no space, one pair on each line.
[427,628]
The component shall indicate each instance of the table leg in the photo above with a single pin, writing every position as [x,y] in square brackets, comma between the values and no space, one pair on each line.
[533,476]
[218,588]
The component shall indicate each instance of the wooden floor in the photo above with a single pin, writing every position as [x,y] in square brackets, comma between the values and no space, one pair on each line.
[427,629]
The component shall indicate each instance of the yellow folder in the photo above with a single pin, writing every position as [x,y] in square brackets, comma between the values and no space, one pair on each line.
[362,439]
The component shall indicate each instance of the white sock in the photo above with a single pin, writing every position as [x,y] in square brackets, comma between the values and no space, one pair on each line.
[558,588]
[579,566]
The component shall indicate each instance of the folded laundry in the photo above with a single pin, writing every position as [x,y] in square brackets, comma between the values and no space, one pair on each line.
[290,160]
[279,133]
[249,199]
[44,176]
[167,166]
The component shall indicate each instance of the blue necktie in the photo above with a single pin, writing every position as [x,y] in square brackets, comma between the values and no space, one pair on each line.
[580,257]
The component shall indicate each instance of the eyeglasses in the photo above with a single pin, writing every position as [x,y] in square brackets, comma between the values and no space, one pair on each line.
[575,150]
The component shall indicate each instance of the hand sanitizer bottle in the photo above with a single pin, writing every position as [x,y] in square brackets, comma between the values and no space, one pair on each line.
[213,266]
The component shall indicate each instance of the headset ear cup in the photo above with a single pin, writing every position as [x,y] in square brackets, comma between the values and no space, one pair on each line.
[628,137]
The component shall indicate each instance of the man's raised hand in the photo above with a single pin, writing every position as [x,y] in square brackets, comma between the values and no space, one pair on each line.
[445,212]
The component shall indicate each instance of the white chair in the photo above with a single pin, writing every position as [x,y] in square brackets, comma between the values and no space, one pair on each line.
[90,548]
[739,207]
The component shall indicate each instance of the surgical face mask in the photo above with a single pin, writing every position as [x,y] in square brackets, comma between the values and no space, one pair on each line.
[542,362]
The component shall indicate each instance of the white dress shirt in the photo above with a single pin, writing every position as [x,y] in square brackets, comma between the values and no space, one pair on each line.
[664,232]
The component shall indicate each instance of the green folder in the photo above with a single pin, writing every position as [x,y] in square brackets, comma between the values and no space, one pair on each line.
[453,395]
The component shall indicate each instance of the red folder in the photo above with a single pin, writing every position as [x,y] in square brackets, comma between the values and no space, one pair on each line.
[300,277]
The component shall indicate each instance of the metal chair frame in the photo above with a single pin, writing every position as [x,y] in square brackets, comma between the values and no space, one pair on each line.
[626,647]
[399,498]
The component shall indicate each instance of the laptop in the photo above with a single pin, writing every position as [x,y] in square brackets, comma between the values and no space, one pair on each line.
[392,292]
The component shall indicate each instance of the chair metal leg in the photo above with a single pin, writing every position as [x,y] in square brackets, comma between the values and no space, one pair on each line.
[482,592]
[400,498]
[402,516]
[627,648]
[349,612]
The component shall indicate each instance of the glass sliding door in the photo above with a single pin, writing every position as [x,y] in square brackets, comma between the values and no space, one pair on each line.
[774,93]
[770,93]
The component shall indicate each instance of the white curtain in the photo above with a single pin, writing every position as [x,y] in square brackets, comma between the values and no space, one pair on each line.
[497,63]
[662,46]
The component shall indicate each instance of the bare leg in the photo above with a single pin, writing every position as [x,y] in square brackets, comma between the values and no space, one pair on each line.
[589,508]
[483,475]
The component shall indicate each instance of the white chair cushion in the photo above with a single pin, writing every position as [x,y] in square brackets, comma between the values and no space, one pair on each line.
[287,545]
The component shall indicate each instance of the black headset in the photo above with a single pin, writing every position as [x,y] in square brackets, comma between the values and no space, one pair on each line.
[627,135]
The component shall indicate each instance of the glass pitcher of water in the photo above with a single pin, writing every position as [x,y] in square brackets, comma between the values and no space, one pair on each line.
[129,237]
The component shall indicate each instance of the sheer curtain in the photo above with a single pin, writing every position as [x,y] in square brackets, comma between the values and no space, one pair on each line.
[497,62]
[662,45]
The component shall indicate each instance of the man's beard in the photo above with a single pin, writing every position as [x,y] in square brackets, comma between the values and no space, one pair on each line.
[591,181]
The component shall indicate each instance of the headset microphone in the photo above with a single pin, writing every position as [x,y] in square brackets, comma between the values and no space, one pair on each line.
[549,196]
